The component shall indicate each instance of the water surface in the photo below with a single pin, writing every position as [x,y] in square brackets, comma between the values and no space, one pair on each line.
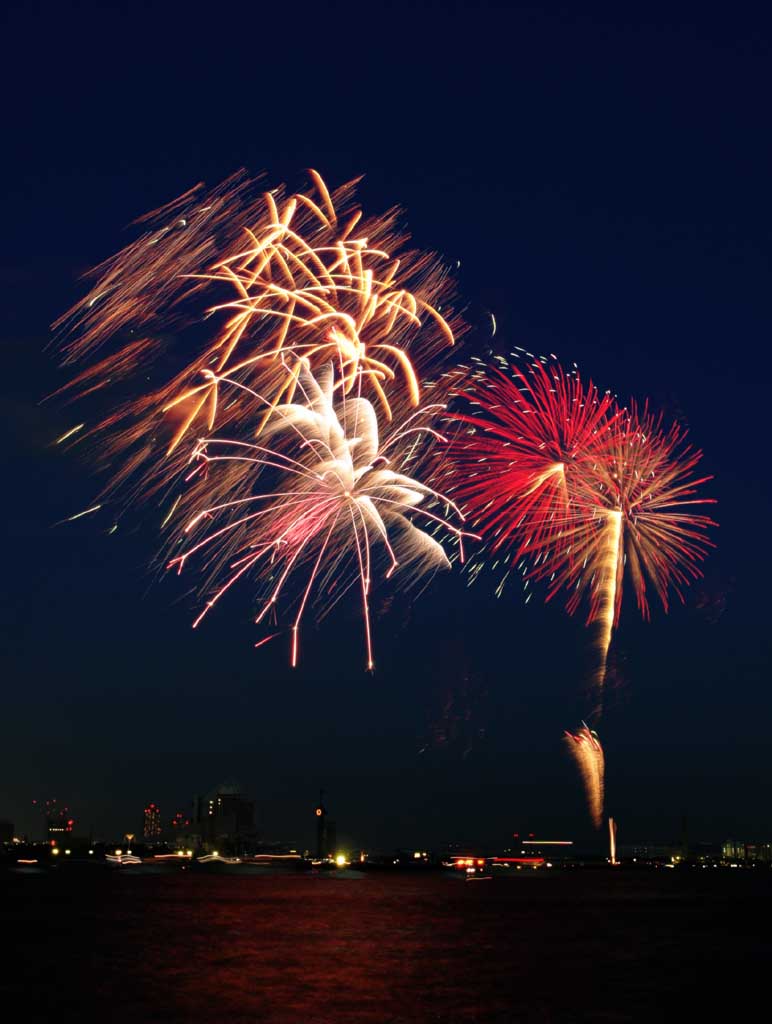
[587,945]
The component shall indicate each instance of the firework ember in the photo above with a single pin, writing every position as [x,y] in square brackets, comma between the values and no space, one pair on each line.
[584,746]
[317,498]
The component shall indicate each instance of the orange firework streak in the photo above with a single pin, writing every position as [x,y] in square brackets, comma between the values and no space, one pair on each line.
[309,279]
[584,746]
[338,301]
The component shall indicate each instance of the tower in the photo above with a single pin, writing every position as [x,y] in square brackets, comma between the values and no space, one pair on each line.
[321,827]
[151,823]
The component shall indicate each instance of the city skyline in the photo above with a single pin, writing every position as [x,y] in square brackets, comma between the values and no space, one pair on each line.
[622,228]
[234,813]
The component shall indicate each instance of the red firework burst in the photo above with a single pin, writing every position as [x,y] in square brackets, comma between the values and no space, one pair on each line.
[530,436]
[578,492]
[632,514]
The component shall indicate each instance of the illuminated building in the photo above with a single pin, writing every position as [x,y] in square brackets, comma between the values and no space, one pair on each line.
[225,819]
[651,852]
[734,850]
[151,827]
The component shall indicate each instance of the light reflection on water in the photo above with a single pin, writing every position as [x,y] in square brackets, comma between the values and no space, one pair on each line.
[300,949]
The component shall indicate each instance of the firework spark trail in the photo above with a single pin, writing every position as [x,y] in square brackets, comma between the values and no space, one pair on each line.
[610,581]
[586,750]
[281,279]
[612,842]
[633,517]
[529,433]
[647,478]
[572,491]
[339,300]
[337,501]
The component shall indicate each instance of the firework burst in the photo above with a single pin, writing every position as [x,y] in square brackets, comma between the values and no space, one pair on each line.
[285,281]
[530,433]
[317,498]
[633,516]
[570,490]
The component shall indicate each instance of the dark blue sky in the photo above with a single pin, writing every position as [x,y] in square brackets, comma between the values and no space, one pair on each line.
[604,180]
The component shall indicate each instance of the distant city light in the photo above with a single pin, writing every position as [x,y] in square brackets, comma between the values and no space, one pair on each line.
[548,842]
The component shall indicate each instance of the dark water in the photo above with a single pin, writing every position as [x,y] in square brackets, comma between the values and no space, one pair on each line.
[574,946]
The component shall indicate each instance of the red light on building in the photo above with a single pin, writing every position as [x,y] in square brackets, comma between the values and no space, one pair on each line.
[180,820]
[151,828]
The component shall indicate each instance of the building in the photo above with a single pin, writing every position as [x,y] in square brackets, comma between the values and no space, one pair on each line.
[224,819]
[646,852]
[151,824]
[735,850]
[6,832]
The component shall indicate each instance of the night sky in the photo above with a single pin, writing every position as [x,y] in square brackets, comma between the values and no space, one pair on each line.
[605,182]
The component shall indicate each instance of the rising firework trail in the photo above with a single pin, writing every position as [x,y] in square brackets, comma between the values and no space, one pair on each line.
[612,842]
[584,746]
[314,506]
